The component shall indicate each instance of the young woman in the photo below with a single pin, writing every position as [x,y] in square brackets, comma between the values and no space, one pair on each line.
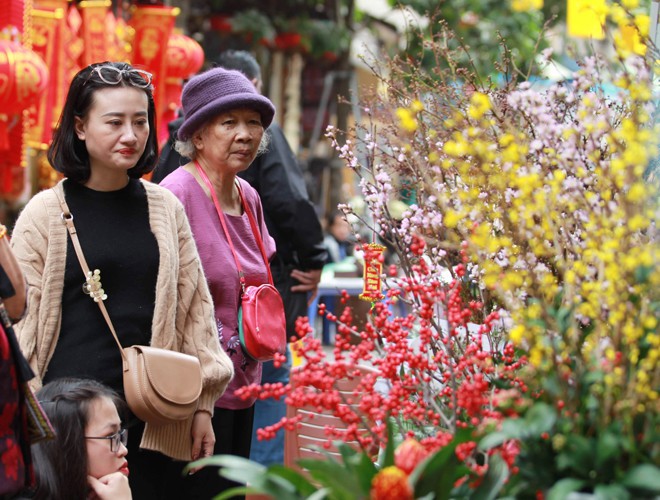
[87,457]
[138,236]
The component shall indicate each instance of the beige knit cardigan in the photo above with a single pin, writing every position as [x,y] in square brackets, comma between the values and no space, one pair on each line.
[183,313]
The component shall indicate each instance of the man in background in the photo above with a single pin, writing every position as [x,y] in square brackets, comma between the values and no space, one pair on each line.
[293,223]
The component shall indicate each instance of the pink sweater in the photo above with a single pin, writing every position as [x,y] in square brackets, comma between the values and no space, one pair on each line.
[220,269]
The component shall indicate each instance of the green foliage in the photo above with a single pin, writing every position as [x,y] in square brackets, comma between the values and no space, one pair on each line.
[488,36]
[350,477]
[553,445]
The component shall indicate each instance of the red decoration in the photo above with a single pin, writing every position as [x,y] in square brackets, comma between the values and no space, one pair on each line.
[373,268]
[153,25]
[51,41]
[184,56]
[23,77]
[94,22]
[11,14]
[287,41]
[221,23]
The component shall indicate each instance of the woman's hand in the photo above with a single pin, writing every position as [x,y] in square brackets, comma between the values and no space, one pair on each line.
[202,435]
[111,487]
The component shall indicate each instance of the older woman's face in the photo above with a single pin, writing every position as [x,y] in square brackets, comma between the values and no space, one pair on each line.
[231,140]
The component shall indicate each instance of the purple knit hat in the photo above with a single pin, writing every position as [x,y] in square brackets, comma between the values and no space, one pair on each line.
[218,90]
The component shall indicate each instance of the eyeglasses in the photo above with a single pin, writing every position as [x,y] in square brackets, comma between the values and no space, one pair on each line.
[112,75]
[115,439]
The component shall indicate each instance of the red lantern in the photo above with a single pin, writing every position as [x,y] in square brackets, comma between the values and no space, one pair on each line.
[23,77]
[184,56]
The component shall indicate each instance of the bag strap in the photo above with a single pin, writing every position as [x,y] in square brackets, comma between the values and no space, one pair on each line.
[253,225]
[67,219]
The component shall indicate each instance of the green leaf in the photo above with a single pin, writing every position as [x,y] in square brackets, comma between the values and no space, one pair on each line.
[346,451]
[644,477]
[498,473]
[493,439]
[319,494]
[257,477]
[388,458]
[563,487]
[438,473]
[299,481]
[564,319]
[336,489]
[642,273]
[608,447]
[366,470]
[539,419]
[330,473]
[275,486]
[611,492]
[578,455]
[230,461]
[234,492]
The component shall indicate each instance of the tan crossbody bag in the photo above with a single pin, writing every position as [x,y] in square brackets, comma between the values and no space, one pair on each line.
[161,386]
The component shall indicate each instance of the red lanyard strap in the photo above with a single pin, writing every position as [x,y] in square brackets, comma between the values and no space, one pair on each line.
[253,225]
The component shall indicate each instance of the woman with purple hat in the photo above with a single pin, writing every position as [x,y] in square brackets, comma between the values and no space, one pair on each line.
[223,131]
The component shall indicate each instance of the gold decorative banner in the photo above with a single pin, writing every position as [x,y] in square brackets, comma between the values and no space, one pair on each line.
[73,44]
[153,25]
[373,267]
[47,29]
[94,15]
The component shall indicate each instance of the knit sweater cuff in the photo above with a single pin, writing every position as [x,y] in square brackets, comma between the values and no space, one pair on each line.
[207,401]
[173,440]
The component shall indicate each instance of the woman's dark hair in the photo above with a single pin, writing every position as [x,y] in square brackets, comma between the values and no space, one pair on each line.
[60,464]
[67,153]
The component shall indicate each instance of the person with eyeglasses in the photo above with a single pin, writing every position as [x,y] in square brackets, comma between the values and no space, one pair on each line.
[137,234]
[87,457]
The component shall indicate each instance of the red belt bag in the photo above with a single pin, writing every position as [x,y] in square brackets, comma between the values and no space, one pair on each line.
[261,319]
[161,386]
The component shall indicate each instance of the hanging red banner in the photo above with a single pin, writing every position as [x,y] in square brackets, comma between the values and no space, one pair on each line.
[373,268]
[73,44]
[94,14]
[153,25]
[11,14]
[47,28]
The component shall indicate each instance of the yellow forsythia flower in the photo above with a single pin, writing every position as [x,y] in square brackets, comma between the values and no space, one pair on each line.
[525,5]
[407,119]
[479,104]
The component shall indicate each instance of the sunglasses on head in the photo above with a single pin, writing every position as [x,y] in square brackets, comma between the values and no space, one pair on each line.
[112,75]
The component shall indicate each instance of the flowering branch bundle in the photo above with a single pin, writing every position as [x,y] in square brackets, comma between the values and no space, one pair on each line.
[545,190]
[434,371]
[526,256]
